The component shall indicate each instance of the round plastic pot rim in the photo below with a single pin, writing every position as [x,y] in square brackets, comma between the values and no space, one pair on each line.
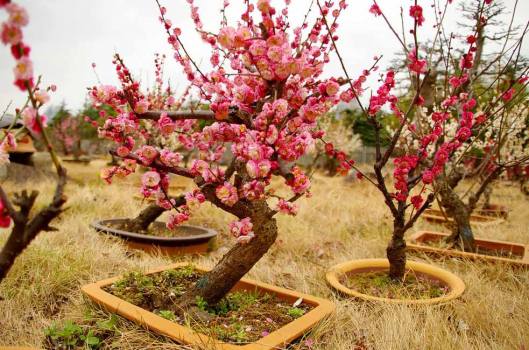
[456,285]
[206,235]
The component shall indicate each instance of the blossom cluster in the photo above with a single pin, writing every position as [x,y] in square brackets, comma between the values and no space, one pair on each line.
[242,230]
[266,93]
[11,35]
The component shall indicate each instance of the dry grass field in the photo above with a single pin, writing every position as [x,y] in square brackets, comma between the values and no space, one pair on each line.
[342,221]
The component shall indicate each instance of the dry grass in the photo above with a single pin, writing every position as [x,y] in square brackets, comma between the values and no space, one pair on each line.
[342,221]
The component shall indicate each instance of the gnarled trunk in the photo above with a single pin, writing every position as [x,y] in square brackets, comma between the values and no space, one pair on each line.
[25,229]
[214,285]
[462,233]
[146,217]
[487,193]
[14,246]
[113,161]
[457,210]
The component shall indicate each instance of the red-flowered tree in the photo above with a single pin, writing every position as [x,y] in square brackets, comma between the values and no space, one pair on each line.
[496,86]
[428,141]
[25,225]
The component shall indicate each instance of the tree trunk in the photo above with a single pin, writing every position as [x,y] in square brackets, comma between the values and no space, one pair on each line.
[462,233]
[14,246]
[214,285]
[486,196]
[396,252]
[25,229]
[460,213]
[524,188]
[331,166]
[146,217]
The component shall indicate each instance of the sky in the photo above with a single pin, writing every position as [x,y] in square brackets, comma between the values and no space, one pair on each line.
[67,36]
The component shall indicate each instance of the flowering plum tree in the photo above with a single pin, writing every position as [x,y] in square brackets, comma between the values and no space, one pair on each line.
[66,131]
[25,227]
[266,93]
[502,146]
[498,99]
[422,155]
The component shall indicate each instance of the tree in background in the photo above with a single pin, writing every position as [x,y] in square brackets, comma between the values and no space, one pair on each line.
[495,74]
[427,141]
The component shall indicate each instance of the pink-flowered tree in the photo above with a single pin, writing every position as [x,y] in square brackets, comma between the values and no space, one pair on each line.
[25,224]
[265,90]
[66,132]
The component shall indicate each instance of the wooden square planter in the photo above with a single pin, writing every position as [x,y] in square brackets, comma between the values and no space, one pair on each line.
[494,210]
[436,216]
[520,251]
[275,340]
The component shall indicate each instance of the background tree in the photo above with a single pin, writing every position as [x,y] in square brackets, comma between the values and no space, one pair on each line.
[422,146]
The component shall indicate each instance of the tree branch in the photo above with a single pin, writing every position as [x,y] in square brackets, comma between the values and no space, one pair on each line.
[156,164]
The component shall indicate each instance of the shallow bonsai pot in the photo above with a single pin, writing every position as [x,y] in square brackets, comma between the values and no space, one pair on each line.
[275,340]
[519,250]
[201,240]
[494,210]
[436,216]
[456,285]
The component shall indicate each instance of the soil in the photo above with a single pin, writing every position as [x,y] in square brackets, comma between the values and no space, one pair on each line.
[155,230]
[501,253]
[378,283]
[241,317]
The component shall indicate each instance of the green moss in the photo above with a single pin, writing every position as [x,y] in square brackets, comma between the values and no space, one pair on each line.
[295,312]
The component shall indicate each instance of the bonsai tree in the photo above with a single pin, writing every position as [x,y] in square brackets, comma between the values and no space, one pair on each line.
[65,131]
[25,224]
[266,94]
[496,84]
[69,130]
[421,156]
[502,147]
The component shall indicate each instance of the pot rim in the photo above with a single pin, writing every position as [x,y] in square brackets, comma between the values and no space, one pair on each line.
[414,243]
[456,284]
[475,219]
[100,225]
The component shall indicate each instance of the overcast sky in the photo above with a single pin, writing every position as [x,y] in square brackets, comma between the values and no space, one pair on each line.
[66,36]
